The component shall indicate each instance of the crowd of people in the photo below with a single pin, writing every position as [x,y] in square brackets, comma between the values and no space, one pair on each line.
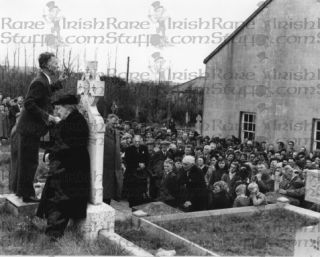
[192,172]
[9,110]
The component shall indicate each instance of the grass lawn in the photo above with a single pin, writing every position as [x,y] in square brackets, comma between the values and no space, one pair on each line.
[263,233]
[147,242]
[4,168]
[23,236]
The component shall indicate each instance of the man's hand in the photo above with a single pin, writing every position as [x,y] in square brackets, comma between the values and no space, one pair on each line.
[187,204]
[54,119]
[142,165]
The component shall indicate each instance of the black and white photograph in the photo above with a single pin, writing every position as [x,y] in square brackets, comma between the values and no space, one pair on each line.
[160,128]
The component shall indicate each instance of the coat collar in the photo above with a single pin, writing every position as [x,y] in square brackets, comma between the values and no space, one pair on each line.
[47,77]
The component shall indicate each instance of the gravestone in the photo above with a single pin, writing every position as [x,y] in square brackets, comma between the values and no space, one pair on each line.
[307,242]
[99,215]
[313,186]
[198,124]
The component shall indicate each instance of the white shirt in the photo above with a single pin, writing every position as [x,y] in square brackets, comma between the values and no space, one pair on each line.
[49,79]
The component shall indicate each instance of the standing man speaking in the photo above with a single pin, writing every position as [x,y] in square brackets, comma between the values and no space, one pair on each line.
[33,123]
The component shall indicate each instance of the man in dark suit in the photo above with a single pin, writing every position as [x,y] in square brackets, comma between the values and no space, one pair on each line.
[33,123]
[136,175]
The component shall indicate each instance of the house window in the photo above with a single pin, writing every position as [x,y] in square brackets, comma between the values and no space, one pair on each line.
[248,125]
[316,134]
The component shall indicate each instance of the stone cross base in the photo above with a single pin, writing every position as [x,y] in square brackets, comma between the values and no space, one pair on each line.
[99,217]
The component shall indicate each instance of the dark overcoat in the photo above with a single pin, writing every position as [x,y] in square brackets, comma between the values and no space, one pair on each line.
[196,188]
[112,173]
[13,162]
[68,183]
[156,164]
[133,156]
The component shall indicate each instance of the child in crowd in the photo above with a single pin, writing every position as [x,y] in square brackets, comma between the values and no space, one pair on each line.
[257,198]
[241,199]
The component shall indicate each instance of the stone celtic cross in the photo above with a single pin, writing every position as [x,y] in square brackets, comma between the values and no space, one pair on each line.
[100,216]
[90,88]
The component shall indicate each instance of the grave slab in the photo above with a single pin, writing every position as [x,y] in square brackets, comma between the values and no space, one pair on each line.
[313,186]
[307,242]
[165,235]
[129,247]
[17,207]
[123,211]
[156,209]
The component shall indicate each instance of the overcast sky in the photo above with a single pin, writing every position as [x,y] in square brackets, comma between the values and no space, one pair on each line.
[168,38]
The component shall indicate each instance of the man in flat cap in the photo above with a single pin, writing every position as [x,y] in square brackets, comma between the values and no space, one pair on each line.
[34,122]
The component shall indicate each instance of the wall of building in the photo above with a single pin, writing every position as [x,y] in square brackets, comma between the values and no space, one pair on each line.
[272,68]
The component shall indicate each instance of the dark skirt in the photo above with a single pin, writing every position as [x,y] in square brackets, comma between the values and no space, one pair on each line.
[73,207]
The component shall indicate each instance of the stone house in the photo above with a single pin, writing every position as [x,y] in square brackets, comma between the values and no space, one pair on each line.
[263,81]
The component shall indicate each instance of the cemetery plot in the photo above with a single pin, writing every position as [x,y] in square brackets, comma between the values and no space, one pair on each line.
[25,236]
[268,232]
[149,243]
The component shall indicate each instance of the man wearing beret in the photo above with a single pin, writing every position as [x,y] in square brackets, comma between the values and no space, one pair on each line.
[34,123]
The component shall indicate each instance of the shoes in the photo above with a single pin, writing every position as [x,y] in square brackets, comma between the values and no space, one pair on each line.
[30,199]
